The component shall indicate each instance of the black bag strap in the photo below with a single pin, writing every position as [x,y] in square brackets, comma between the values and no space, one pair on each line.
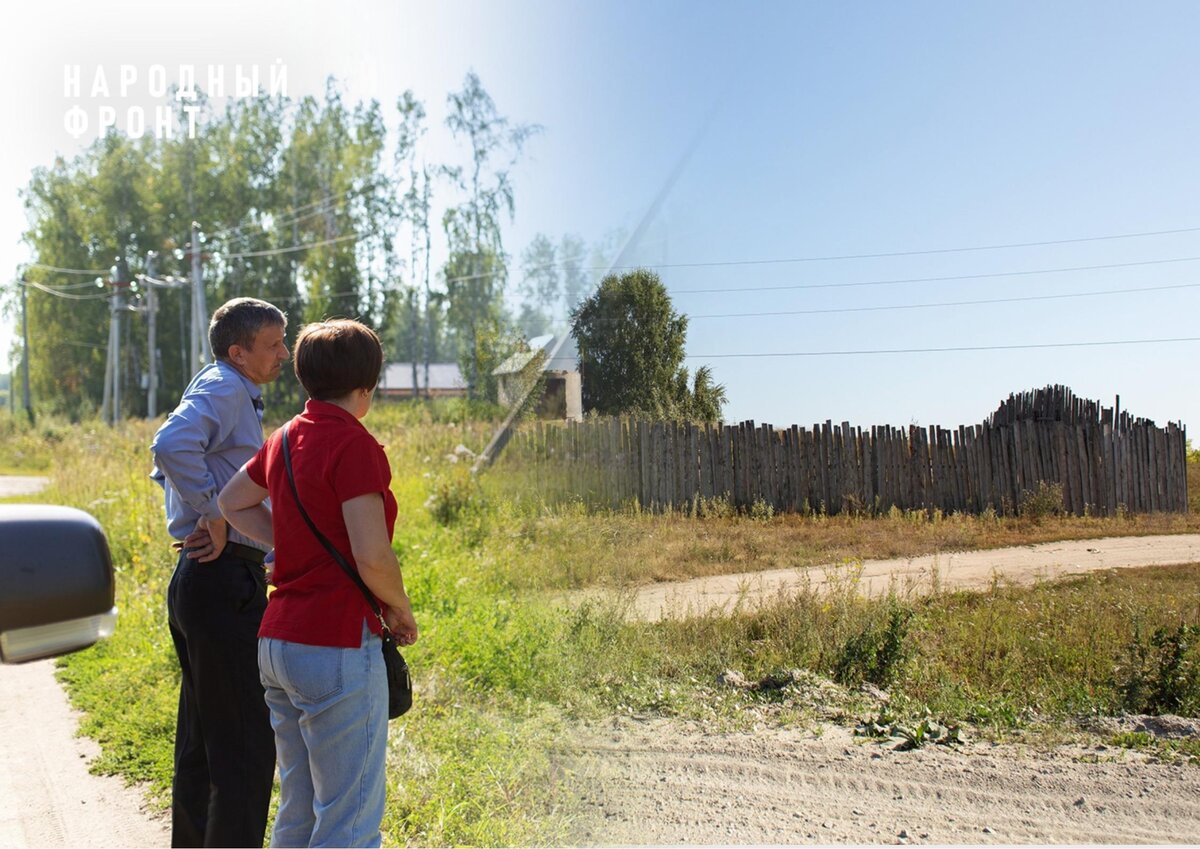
[341,561]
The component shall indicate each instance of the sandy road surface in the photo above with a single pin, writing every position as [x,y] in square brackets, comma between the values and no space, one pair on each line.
[958,570]
[47,796]
[664,782]
[17,485]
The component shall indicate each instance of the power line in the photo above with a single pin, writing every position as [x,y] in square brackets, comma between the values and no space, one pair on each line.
[884,254]
[944,350]
[239,227]
[891,282]
[950,303]
[275,225]
[67,295]
[45,267]
[67,287]
[57,342]
[926,252]
[292,248]
[726,263]
[886,307]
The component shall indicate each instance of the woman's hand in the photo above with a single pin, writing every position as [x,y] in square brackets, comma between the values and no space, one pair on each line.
[401,623]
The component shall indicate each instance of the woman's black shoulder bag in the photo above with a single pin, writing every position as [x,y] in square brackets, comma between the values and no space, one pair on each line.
[400,693]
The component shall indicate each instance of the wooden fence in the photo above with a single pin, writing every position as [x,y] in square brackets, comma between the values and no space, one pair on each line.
[1104,460]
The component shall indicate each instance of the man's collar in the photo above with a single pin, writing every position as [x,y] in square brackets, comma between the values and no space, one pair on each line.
[254,390]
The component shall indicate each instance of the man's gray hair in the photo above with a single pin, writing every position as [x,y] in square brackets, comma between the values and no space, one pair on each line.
[238,321]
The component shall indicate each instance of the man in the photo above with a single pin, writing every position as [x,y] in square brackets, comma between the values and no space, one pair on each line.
[224,745]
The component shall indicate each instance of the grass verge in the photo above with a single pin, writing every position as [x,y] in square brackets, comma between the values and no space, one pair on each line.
[503,674]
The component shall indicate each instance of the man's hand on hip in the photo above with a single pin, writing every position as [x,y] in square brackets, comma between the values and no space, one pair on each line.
[206,551]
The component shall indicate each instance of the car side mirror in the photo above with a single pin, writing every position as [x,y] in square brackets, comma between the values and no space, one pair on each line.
[56,582]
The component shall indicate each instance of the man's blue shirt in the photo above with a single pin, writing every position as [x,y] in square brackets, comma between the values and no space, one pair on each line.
[215,429]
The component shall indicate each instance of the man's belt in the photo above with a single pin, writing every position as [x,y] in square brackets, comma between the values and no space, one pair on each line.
[245,552]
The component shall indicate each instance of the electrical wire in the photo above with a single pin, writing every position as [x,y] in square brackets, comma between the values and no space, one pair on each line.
[67,287]
[891,282]
[55,268]
[67,295]
[887,307]
[926,252]
[951,303]
[57,342]
[292,248]
[877,255]
[943,350]
[239,227]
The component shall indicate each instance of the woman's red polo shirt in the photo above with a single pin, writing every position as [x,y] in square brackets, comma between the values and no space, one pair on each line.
[334,459]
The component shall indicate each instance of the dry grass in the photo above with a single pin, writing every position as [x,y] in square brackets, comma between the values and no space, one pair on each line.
[570,548]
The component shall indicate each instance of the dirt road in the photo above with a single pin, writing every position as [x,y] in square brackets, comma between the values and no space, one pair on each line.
[957,570]
[664,782]
[12,486]
[47,795]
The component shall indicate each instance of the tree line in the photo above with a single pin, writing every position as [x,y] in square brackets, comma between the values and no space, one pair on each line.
[306,204]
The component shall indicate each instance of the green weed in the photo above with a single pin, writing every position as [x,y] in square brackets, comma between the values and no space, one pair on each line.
[1043,502]
[875,653]
[1162,674]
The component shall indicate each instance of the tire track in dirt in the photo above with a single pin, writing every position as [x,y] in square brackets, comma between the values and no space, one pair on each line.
[665,782]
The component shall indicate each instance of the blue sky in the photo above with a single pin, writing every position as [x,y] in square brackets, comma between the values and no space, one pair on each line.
[829,129]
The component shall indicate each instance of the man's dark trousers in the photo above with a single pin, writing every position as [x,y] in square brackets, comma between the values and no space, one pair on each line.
[224,745]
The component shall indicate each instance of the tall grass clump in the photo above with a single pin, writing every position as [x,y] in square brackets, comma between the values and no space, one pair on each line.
[1043,502]
[28,448]
[1161,672]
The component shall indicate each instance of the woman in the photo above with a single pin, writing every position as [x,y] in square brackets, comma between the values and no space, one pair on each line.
[318,650]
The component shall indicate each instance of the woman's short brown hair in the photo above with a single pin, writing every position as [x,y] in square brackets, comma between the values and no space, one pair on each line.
[336,356]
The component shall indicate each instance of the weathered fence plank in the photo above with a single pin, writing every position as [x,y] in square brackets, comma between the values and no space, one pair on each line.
[1103,459]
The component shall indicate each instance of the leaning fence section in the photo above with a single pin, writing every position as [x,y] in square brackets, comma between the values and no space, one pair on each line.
[1104,461]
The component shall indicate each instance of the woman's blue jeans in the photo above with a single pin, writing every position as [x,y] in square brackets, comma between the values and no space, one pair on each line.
[329,711]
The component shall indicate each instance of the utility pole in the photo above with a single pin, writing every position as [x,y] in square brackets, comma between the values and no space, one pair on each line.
[428,299]
[151,337]
[112,376]
[201,352]
[150,308]
[24,354]
[118,307]
[106,399]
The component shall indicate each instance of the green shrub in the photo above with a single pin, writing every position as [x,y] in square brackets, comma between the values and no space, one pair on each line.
[761,511]
[716,507]
[1162,674]
[1043,502]
[877,652]
[453,494]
